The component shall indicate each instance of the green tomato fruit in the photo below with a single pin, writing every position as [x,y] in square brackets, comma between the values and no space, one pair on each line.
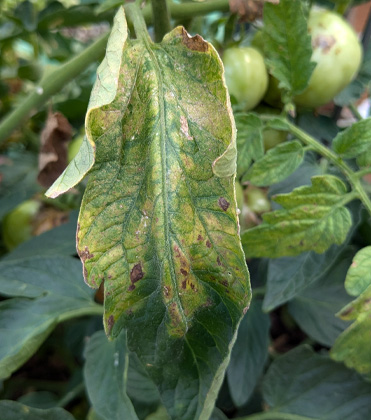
[271,137]
[257,200]
[17,225]
[74,147]
[338,54]
[246,75]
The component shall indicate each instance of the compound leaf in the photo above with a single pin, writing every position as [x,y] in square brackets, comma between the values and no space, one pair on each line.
[312,218]
[354,141]
[158,221]
[287,45]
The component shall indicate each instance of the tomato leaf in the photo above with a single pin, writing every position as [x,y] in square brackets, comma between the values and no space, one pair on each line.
[249,354]
[312,218]
[105,379]
[249,141]
[359,274]
[46,291]
[314,308]
[277,164]
[300,377]
[353,345]
[12,410]
[354,141]
[158,221]
[287,45]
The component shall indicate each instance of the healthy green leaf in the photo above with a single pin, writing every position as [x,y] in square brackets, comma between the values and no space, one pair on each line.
[354,141]
[287,45]
[11,410]
[158,221]
[312,218]
[249,354]
[301,377]
[359,274]
[364,159]
[315,307]
[249,141]
[52,291]
[105,373]
[277,164]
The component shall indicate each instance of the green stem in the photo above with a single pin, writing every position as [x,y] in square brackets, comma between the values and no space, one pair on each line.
[91,310]
[68,71]
[363,172]
[50,85]
[355,112]
[161,19]
[336,160]
[71,395]
[136,18]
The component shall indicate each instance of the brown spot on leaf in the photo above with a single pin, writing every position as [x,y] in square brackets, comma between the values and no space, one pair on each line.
[245,309]
[85,254]
[224,283]
[184,272]
[208,244]
[218,260]
[347,312]
[135,275]
[223,203]
[200,238]
[110,323]
[354,264]
[325,42]
[196,43]
[177,252]
[184,284]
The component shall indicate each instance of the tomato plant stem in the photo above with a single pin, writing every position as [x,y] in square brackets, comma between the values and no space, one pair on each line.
[161,18]
[355,112]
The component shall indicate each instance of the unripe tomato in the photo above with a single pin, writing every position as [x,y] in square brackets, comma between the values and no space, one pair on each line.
[271,137]
[246,75]
[257,201]
[338,55]
[17,225]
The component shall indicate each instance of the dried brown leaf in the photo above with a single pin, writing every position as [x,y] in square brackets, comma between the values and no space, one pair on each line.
[249,10]
[53,151]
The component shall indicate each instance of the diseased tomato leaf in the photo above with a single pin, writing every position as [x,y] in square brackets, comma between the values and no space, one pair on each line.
[158,222]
